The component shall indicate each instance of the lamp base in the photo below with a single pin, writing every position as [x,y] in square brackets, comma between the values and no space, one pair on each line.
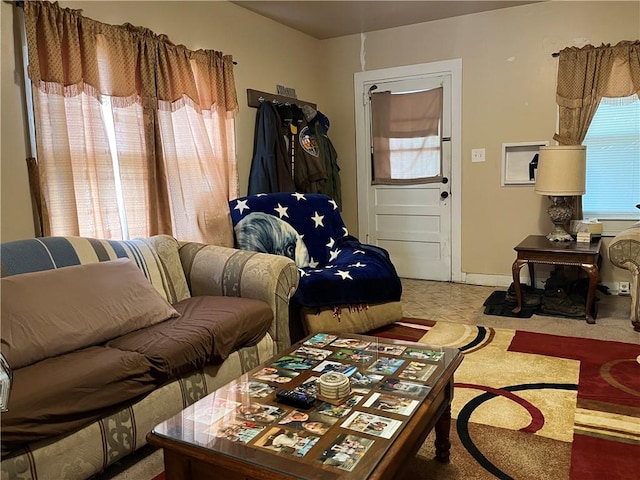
[559,234]
[560,213]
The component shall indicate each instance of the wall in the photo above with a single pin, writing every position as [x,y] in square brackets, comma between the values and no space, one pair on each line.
[509,80]
[16,219]
[508,96]
[267,54]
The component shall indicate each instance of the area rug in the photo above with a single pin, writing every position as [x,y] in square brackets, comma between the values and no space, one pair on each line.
[532,406]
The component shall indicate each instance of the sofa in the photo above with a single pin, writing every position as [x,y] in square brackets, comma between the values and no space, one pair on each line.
[624,252]
[106,339]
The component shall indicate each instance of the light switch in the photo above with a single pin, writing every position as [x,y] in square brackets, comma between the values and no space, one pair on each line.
[477,155]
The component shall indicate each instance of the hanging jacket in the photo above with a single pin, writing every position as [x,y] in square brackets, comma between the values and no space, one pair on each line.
[309,172]
[329,156]
[270,170]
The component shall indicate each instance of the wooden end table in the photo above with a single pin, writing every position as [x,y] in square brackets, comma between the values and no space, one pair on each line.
[538,249]
[214,437]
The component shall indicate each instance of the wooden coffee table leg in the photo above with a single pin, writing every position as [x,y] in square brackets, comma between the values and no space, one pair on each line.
[443,427]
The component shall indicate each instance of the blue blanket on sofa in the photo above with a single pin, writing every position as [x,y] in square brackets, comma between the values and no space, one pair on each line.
[335,268]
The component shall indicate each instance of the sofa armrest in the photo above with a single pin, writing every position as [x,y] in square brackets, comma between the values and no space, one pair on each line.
[215,270]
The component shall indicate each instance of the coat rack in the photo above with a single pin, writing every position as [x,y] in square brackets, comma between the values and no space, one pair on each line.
[256,97]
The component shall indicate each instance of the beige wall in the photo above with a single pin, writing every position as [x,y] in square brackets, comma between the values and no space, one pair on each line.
[508,95]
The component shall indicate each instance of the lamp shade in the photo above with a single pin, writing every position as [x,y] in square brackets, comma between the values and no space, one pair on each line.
[561,170]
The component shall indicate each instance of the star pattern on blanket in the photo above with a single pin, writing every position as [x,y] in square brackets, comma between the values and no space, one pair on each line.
[241,205]
[299,196]
[318,219]
[282,211]
[333,254]
[331,243]
[343,274]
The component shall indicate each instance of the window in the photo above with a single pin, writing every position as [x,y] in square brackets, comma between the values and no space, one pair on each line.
[613,161]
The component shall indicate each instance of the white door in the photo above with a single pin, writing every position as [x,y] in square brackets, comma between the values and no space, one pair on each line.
[412,222]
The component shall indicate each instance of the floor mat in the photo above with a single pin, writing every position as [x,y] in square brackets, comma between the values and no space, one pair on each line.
[496,305]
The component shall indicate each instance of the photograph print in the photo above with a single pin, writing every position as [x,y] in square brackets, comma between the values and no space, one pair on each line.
[392,403]
[210,410]
[309,386]
[353,343]
[346,451]
[396,385]
[341,410]
[296,443]
[253,389]
[423,354]
[372,424]
[259,413]
[311,422]
[275,375]
[293,363]
[363,382]
[386,348]
[350,355]
[241,431]
[418,371]
[320,340]
[385,365]
[327,366]
[311,353]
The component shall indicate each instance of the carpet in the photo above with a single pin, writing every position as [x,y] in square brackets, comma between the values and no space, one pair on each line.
[533,406]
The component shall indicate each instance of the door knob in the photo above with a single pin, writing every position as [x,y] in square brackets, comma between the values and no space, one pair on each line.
[444,195]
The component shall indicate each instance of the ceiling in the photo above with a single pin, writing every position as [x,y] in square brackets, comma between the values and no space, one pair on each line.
[329,19]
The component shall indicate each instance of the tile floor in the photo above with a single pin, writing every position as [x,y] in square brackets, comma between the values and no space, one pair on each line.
[462,303]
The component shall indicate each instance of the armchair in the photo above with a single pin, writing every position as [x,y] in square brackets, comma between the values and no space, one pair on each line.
[345,285]
[624,252]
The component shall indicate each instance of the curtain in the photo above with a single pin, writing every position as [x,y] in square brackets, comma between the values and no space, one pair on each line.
[585,76]
[135,135]
[406,137]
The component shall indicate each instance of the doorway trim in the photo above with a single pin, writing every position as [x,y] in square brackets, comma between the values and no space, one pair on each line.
[446,67]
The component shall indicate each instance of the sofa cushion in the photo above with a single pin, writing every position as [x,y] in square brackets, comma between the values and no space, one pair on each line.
[208,330]
[157,257]
[57,311]
[60,394]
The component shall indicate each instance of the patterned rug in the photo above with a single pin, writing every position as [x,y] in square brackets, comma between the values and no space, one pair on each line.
[534,406]
[531,406]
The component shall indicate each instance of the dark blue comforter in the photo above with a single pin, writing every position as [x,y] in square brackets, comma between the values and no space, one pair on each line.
[336,269]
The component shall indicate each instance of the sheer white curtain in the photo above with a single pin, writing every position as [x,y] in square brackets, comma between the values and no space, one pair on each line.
[134,135]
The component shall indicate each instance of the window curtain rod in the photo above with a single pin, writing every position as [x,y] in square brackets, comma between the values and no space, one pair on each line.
[20,4]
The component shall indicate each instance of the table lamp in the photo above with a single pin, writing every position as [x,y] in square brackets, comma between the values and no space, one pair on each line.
[561,175]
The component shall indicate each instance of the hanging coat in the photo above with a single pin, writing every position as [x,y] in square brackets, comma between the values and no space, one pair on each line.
[270,170]
[309,172]
[329,156]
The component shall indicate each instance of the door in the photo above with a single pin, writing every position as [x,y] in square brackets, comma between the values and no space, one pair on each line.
[412,222]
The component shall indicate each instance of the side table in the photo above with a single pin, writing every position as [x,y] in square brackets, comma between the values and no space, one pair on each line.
[537,249]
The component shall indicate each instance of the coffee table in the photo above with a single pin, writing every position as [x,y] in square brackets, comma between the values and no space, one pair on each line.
[400,392]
